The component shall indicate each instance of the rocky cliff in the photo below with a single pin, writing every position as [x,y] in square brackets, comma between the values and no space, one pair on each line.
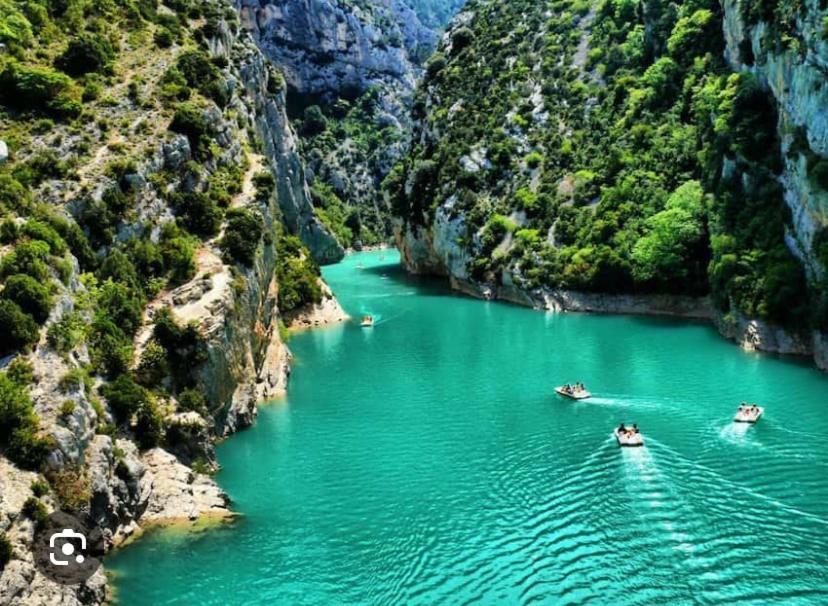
[351,69]
[630,167]
[795,71]
[332,48]
[152,197]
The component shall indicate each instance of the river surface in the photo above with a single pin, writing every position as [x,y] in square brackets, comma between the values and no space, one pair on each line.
[428,461]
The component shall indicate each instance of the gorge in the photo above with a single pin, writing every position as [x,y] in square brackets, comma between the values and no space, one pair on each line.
[173,175]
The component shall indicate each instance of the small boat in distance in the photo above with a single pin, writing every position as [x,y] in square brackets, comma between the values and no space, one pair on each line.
[748,413]
[574,392]
[367,322]
[628,436]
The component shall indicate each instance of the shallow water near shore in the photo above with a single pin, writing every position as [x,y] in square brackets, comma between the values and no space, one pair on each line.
[428,461]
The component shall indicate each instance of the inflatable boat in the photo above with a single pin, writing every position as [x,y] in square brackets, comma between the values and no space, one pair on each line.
[748,414]
[628,438]
[367,322]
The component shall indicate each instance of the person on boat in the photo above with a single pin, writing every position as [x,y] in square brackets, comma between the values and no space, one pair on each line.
[622,428]
[635,428]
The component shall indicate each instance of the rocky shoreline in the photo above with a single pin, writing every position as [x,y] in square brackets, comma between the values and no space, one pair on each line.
[419,257]
[326,313]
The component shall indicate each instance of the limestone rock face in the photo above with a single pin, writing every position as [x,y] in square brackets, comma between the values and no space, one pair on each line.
[796,77]
[271,120]
[795,74]
[330,49]
[330,46]
[179,494]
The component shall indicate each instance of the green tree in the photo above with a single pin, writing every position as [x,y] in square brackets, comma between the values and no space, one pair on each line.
[241,236]
[668,253]
[87,53]
[18,330]
[32,296]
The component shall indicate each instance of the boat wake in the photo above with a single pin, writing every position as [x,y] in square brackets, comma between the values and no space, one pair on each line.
[711,476]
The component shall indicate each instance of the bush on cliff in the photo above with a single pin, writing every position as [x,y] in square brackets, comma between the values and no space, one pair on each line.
[197,213]
[19,435]
[34,509]
[185,346]
[189,121]
[202,74]
[125,397]
[39,89]
[298,275]
[87,53]
[32,296]
[71,488]
[241,236]
[18,330]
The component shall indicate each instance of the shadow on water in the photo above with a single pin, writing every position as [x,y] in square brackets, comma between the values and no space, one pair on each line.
[426,285]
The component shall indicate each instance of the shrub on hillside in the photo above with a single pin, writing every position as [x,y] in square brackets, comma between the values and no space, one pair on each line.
[15,28]
[39,89]
[30,295]
[192,400]
[152,368]
[87,53]
[27,258]
[241,236]
[189,121]
[125,397]
[71,487]
[197,68]
[185,346]
[178,251]
[121,305]
[66,334]
[111,348]
[173,86]
[37,230]
[149,427]
[18,330]
[34,509]
[298,275]
[197,213]
[435,65]
[13,195]
[19,426]
[201,73]
[314,122]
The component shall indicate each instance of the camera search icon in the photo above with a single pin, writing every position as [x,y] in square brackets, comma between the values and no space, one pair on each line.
[67,549]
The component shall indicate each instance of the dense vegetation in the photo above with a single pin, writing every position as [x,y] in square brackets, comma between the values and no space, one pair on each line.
[88,92]
[584,147]
[349,147]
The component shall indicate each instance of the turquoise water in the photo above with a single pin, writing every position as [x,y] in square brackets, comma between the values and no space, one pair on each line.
[427,461]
